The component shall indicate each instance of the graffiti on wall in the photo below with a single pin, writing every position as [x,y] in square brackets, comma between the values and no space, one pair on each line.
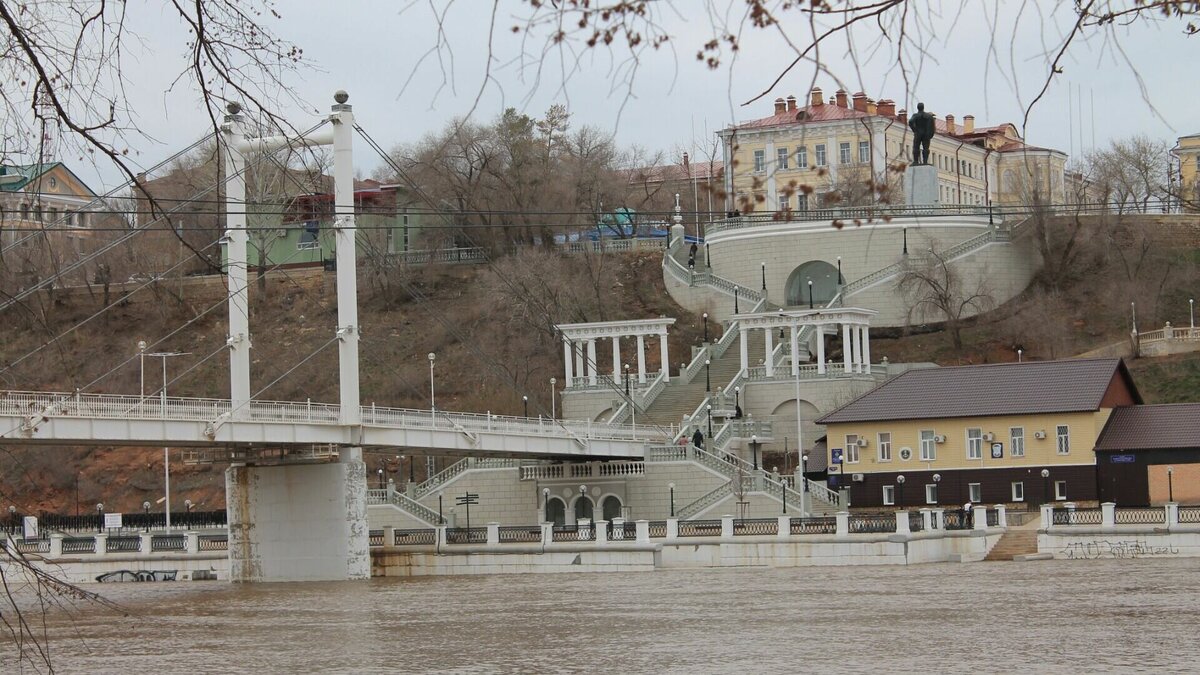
[1097,549]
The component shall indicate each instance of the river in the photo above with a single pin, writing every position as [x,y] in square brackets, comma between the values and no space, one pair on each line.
[1052,616]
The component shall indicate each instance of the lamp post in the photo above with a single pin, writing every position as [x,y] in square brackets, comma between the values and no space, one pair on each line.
[432,400]
[707,380]
[187,505]
[582,496]
[553,399]
[142,354]
[1045,486]
[707,257]
[1020,355]
[626,379]
[937,478]
[1170,484]
[704,321]
[100,514]
[545,505]
[525,402]
[754,449]
[764,279]
[839,260]
[379,472]
[904,231]
[735,300]
[804,469]
[1192,312]
[810,297]
[708,409]
[12,519]
[737,398]
[671,486]
[146,514]
[441,520]
[900,490]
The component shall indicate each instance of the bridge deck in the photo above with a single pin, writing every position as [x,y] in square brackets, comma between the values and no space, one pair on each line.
[117,419]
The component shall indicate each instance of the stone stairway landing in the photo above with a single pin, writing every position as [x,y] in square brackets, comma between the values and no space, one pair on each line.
[678,399]
[1013,543]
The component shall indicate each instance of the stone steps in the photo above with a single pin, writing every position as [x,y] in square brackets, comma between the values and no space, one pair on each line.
[1013,543]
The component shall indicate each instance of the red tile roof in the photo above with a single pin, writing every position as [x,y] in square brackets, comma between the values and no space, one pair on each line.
[699,170]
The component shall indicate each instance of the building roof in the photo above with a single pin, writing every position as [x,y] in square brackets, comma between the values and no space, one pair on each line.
[1152,427]
[1032,387]
[677,172]
[29,173]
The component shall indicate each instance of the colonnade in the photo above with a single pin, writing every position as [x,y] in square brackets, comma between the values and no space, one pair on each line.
[855,336]
[579,348]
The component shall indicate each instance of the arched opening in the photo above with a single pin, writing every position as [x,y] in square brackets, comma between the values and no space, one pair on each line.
[824,278]
[611,507]
[556,511]
[583,508]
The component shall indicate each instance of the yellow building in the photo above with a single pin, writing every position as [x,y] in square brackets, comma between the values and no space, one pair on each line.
[853,150]
[1015,433]
[1187,152]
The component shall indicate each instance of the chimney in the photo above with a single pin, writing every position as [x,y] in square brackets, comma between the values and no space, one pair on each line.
[969,124]
[872,108]
[860,102]
[902,115]
[832,101]
[950,125]
[815,97]
[780,106]
[840,96]
[887,107]
[791,103]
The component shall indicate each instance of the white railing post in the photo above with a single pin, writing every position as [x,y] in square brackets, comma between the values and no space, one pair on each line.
[1001,515]
[389,535]
[672,528]
[1108,515]
[439,535]
[191,542]
[101,544]
[1047,516]
[902,523]
[726,527]
[618,528]
[56,541]
[843,523]
[601,531]
[493,534]
[1172,515]
[979,517]
[939,519]
[926,520]
[785,527]
[144,545]
[643,531]
[547,534]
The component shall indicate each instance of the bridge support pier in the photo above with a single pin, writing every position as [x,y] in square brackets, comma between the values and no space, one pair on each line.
[298,522]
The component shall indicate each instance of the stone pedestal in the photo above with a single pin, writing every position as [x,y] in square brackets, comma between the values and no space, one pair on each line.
[303,522]
[921,186]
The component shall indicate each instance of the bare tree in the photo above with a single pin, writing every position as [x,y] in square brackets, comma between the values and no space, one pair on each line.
[937,289]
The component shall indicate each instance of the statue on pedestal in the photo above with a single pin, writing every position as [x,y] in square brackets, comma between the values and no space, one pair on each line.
[922,127]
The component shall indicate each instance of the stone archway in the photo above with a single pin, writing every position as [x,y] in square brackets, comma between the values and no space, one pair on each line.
[556,511]
[610,507]
[824,278]
[583,508]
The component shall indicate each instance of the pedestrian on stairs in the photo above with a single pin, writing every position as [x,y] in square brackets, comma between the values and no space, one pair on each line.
[698,438]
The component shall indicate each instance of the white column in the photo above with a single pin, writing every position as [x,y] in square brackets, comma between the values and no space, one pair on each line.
[846,347]
[346,253]
[591,361]
[577,348]
[858,349]
[820,330]
[745,349]
[617,359]
[641,342]
[795,351]
[769,362]
[239,291]
[568,362]
[663,357]
[866,348]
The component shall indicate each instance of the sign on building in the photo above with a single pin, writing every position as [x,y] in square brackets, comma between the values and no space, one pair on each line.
[997,450]
[112,521]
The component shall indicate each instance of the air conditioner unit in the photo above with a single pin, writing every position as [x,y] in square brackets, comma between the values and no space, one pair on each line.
[1039,435]
[857,478]
[862,442]
[939,439]
[989,436]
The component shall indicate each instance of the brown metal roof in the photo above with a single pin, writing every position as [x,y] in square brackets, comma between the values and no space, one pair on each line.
[1152,427]
[1033,387]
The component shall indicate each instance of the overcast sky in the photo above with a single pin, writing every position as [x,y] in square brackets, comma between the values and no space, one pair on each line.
[373,51]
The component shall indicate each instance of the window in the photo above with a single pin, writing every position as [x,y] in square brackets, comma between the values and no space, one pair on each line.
[931,493]
[974,443]
[852,448]
[802,157]
[801,202]
[1064,440]
[889,495]
[885,446]
[759,160]
[1060,490]
[781,157]
[1016,442]
[308,236]
[843,153]
[974,493]
[1018,491]
[784,203]
[928,446]
[864,152]
[820,154]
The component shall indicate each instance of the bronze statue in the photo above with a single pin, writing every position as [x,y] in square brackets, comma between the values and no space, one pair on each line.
[922,128]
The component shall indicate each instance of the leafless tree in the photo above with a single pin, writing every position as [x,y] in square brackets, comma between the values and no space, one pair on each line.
[937,289]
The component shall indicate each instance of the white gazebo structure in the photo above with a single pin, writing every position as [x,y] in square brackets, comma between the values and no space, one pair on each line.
[855,329]
[579,348]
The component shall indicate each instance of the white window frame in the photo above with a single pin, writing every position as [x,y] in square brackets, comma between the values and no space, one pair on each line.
[1060,490]
[975,492]
[781,158]
[822,159]
[760,161]
[801,202]
[852,455]
[884,452]
[975,443]
[928,445]
[931,496]
[889,495]
[864,152]
[785,203]
[1018,491]
[844,152]
[802,157]
[1062,433]
[1016,441]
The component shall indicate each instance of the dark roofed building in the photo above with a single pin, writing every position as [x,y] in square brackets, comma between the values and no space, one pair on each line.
[1150,454]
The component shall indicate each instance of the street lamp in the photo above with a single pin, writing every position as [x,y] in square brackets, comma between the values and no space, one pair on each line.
[12,519]
[142,354]
[804,470]
[146,514]
[737,398]
[380,473]
[672,488]
[754,449]
[810,297]
[904,231]
[783,491]
[626,379]
[553,400]
[1192,311]
[735,300]
[545,505]
[708,409]
[764,278]
[525,401]
[839,258]
[432,401]
[1045,486]
[707,380]
[1020,355]
[900,486]
[441,520]
[582,496]
[187,505]
[704,320]
[100,514]
[1170,484]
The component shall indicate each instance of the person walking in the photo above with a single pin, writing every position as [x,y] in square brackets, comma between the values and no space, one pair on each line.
[698,438]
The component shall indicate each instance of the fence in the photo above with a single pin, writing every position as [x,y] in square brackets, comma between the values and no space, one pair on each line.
[872,523]
[756,526]
[700,528]
[415,537]
[141,522]
[1077,517]
[466,535]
